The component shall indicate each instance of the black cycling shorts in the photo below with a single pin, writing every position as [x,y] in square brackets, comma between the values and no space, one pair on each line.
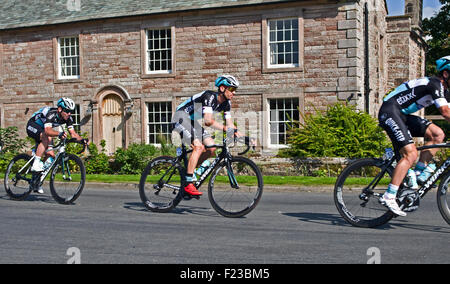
[400,127]
[34,130]
[190,131]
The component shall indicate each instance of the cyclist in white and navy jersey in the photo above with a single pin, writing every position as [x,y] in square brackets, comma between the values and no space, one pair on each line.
[190,116]
[40,128]
[395,117]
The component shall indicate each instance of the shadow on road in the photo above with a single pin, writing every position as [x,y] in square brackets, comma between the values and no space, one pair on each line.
[319,218]
[181,209]
[35,198]
[336,220]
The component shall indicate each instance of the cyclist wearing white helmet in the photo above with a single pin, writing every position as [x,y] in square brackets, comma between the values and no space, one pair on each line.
[395,117]
[40,128]
[202,106]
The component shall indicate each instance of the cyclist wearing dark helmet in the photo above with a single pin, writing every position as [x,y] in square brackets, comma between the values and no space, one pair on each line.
[188,118]
[40,128]
[395,117]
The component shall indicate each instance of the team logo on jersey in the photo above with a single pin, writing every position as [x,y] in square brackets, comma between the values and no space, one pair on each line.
[404,99]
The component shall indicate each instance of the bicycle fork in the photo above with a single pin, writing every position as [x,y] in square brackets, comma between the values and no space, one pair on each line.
[232,178]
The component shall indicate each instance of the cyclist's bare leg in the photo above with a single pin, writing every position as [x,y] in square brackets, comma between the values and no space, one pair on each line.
[434,135]
[409,157]
[45,141]
[208,153]
[198,149]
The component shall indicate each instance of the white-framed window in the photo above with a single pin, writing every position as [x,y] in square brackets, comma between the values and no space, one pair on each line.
[159,116]
[283,43]
[76,117]
[282,112]
[159,51]
[68,58]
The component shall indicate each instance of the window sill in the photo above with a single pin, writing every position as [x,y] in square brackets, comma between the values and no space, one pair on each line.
[158,75]
[68,81]
[282,69]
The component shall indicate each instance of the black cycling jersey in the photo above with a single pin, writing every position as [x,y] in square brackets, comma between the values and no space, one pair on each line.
[49,117]
[185,120]
[205,102]
[395,113]
[417,94]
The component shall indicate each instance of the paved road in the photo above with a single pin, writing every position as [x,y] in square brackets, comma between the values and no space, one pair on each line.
[109,225]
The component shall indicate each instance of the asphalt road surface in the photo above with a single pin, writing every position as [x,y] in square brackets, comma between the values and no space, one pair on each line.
[110,225]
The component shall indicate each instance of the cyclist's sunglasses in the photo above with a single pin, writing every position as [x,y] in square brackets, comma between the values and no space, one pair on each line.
[231,89]
[67,111]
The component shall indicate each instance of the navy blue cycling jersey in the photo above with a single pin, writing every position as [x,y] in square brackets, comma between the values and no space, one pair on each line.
[205,102]
[49,117]
[414,95]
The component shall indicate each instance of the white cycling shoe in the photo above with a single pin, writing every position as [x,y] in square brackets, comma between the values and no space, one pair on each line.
[39,190]
[392,205]
[37,167]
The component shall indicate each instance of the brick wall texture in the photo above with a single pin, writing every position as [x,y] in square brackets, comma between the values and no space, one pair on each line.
[208,43]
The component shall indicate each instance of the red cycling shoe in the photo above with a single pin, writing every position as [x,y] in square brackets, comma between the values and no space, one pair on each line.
[192,190]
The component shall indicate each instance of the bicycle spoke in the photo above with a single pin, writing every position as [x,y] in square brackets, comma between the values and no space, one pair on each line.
[357,202]
[235,191]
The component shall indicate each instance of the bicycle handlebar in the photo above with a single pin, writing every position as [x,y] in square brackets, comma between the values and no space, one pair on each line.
[244,139]
[73,140]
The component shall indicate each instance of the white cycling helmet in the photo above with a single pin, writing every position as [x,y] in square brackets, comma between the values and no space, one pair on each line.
[227,80]
[66,104]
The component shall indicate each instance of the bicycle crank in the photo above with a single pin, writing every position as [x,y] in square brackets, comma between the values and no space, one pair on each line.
[410,200]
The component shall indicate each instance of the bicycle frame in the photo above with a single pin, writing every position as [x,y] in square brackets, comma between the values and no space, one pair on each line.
[428,185]
[224,155]
[40,177]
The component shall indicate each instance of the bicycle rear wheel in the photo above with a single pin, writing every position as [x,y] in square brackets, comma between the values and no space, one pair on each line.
[443,199]
[67,178]
[18,177]
[160,184]
[235,201]
[358,204]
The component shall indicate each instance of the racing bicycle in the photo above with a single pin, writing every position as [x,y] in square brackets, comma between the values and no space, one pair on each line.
[361,184]
[67,175]
[235,186]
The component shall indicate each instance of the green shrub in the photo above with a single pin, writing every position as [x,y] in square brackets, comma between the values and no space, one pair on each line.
[134,159]
[97,162]
[341,131]
[12,142]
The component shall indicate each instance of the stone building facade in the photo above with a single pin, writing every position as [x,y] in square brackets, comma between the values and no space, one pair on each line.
[128,64]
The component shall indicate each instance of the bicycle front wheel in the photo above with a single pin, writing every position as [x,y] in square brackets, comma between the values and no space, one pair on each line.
[235,191]
[355,196]
[442,198]
[67,178]
[160,184]
[18,177]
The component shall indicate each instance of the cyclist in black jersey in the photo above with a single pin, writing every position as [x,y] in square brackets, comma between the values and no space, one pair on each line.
[395,117]
[200,108]
[40,128]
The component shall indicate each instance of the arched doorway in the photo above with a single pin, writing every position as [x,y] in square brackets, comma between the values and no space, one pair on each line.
[113,122]
[111,112]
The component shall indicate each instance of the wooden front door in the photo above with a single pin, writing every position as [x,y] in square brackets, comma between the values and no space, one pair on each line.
[113,123]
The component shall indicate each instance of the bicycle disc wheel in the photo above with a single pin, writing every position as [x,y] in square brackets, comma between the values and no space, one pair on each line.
[18,177]
[160,184]
[235,202]
[442,198]
[358,206]
[67,178]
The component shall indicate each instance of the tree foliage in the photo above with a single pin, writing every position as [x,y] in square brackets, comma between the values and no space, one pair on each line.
[437,29]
